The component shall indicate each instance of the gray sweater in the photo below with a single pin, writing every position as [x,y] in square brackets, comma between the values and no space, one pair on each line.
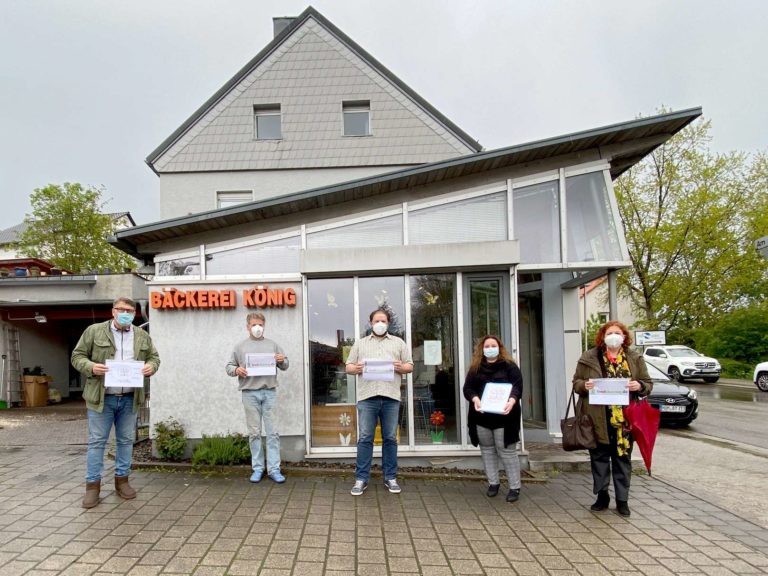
[251,346]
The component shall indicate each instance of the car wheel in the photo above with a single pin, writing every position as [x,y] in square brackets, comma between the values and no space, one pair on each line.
[674,374]
[711,379]
[762,381]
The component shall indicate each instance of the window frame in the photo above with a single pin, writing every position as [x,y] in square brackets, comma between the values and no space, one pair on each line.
[265,110]
[219,193]
[355,107]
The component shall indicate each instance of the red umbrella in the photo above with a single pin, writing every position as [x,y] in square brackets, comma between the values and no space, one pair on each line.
[643,421]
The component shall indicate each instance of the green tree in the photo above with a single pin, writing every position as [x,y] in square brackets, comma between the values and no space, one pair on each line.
[68,228]
[690,218]
[741,335]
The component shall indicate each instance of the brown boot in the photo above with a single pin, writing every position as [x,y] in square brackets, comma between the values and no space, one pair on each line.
[124,489]
[91,497]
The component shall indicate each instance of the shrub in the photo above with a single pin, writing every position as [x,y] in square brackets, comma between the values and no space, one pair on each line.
[736,369]
[222,451]
[170,441]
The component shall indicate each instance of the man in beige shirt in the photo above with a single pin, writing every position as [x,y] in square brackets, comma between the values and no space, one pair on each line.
[378,361]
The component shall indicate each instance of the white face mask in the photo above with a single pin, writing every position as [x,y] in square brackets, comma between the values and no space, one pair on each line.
[380,328]
[491,352]
[614,340]
[257,330]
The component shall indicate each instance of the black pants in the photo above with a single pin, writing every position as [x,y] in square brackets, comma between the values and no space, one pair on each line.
[605,460]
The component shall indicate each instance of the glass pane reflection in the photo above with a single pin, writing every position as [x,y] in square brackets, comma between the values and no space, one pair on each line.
[435,389]
[331,335]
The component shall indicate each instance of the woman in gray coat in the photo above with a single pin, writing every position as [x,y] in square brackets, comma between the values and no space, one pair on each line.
[611,358]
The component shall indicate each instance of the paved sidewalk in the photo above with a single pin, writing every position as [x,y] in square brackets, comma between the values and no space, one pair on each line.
[183,523]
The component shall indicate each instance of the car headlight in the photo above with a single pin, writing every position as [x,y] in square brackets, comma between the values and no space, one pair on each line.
[692,395]
[687,363]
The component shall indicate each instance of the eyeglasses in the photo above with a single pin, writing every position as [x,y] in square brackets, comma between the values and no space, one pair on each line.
[125,309]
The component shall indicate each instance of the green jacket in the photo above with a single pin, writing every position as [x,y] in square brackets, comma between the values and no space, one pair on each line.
[588,367]
[96,346]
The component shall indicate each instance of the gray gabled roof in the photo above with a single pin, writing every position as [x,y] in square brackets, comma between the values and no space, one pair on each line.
[271,47]
[12,234]
[625,143]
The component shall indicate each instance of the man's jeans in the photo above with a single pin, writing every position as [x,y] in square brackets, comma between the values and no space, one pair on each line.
[259,406]
[118,411]
[368,412]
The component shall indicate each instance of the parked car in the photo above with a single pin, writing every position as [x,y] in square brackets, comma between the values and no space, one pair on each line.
[761,376]
[679,405]
[682,362]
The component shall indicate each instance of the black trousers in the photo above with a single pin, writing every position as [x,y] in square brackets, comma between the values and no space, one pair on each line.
[605,460]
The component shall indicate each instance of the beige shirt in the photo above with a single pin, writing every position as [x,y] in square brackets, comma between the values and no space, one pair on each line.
[388,347]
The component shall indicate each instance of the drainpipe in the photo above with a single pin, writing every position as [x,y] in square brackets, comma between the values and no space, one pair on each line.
[613,308]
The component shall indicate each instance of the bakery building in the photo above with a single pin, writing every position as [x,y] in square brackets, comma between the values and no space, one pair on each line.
[314,187]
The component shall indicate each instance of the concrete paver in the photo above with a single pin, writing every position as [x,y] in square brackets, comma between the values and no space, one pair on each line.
[185,523]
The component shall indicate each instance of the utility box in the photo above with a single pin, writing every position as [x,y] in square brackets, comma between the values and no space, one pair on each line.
[36,391]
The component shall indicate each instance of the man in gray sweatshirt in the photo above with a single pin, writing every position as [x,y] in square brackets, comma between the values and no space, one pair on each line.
[255,361]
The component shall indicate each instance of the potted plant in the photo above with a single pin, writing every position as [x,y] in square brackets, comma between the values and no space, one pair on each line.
[437,420]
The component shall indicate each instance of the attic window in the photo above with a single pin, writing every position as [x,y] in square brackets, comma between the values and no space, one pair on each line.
[357,117]
[266,122]
[232,198]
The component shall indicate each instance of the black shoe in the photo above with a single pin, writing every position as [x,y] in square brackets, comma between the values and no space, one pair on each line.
[622,508]
[513,495]
[602,501]
[493,490]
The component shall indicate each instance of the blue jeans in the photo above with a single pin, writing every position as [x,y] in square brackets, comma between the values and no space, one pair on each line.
[369,411]
[118,411]
[259,407]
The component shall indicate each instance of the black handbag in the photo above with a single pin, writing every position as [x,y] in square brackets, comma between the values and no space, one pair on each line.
[578,430]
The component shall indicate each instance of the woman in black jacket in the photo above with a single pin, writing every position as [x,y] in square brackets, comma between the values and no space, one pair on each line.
[497,434]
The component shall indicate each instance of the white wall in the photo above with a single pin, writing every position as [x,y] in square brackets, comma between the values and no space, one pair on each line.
[597,302]
[195,345]
[7,253]
[189,193]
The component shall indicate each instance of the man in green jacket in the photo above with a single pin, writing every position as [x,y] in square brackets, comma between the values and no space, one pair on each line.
[117,339]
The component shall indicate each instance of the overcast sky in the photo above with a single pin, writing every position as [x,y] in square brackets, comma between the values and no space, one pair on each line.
[90,87]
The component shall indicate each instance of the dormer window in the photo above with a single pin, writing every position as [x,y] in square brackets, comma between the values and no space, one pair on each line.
[357,117]
[266,122]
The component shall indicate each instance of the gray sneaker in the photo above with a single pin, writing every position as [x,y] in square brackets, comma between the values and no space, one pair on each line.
[392,486]
[359,488]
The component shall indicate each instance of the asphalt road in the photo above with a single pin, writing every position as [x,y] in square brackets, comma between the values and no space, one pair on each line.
[723,455]
[731,412]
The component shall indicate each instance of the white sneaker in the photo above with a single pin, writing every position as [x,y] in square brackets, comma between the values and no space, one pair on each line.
[392,486]
[359,488]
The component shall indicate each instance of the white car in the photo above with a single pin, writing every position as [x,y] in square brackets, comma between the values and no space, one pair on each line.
[761,376]
[682,362]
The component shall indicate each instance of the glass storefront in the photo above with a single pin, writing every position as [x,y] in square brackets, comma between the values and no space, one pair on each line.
[431,403]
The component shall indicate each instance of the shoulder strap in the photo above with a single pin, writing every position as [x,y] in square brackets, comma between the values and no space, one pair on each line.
[571,400]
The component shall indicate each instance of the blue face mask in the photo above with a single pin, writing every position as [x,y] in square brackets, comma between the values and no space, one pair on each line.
[491,352]
[125,318]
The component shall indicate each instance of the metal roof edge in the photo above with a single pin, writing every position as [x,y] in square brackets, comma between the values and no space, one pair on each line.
[269,48]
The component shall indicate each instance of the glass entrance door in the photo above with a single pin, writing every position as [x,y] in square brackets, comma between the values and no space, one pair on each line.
[486,310]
